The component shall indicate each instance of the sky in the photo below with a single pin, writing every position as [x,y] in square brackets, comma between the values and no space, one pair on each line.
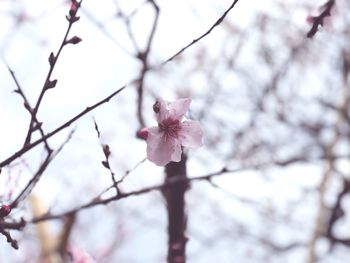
[92,69]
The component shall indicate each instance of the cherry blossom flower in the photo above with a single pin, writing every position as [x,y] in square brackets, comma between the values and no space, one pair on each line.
[165,140]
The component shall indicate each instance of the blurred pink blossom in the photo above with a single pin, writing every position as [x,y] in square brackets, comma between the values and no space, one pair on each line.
[80,256]
[165,140]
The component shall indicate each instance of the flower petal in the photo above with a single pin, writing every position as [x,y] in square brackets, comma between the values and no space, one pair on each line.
[174,110]
[162,149]
[191,134]
[178,108]
[162,112]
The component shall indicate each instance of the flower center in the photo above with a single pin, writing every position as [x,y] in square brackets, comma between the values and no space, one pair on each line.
[170,127]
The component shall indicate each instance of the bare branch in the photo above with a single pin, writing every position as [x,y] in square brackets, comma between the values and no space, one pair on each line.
[31,145]
[48,83]
[217,23]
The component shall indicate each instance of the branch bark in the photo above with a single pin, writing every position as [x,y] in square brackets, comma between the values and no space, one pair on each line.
[176,208]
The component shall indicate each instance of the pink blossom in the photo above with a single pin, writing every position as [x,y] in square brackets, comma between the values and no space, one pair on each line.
[165,140]
[80,256]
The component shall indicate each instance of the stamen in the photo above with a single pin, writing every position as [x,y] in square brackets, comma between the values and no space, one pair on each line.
[170,127]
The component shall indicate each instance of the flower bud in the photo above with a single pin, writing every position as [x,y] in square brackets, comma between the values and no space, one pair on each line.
[74,40]
[156,107]
[5,210]
[142,133]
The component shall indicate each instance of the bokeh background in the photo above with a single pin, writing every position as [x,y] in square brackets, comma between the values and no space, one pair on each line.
[274,106]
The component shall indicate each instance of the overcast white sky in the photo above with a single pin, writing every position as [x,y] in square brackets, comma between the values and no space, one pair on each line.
[91,70]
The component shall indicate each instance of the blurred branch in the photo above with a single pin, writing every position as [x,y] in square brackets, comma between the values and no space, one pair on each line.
[322,217]
[48,242]
[337,212]
[98,201]
[143,58]
[320,226]
[32,182]
[13,225]
[9,238]
[66,233]
[141,55]
[169,183]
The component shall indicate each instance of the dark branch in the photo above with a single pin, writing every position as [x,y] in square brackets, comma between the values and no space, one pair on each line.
[319,20]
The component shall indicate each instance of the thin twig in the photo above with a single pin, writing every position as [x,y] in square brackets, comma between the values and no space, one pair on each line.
[9,238]
[217,23]
[48,83]
[98,201]
[107,153]
[30,146]
[19,90]
[35,179]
